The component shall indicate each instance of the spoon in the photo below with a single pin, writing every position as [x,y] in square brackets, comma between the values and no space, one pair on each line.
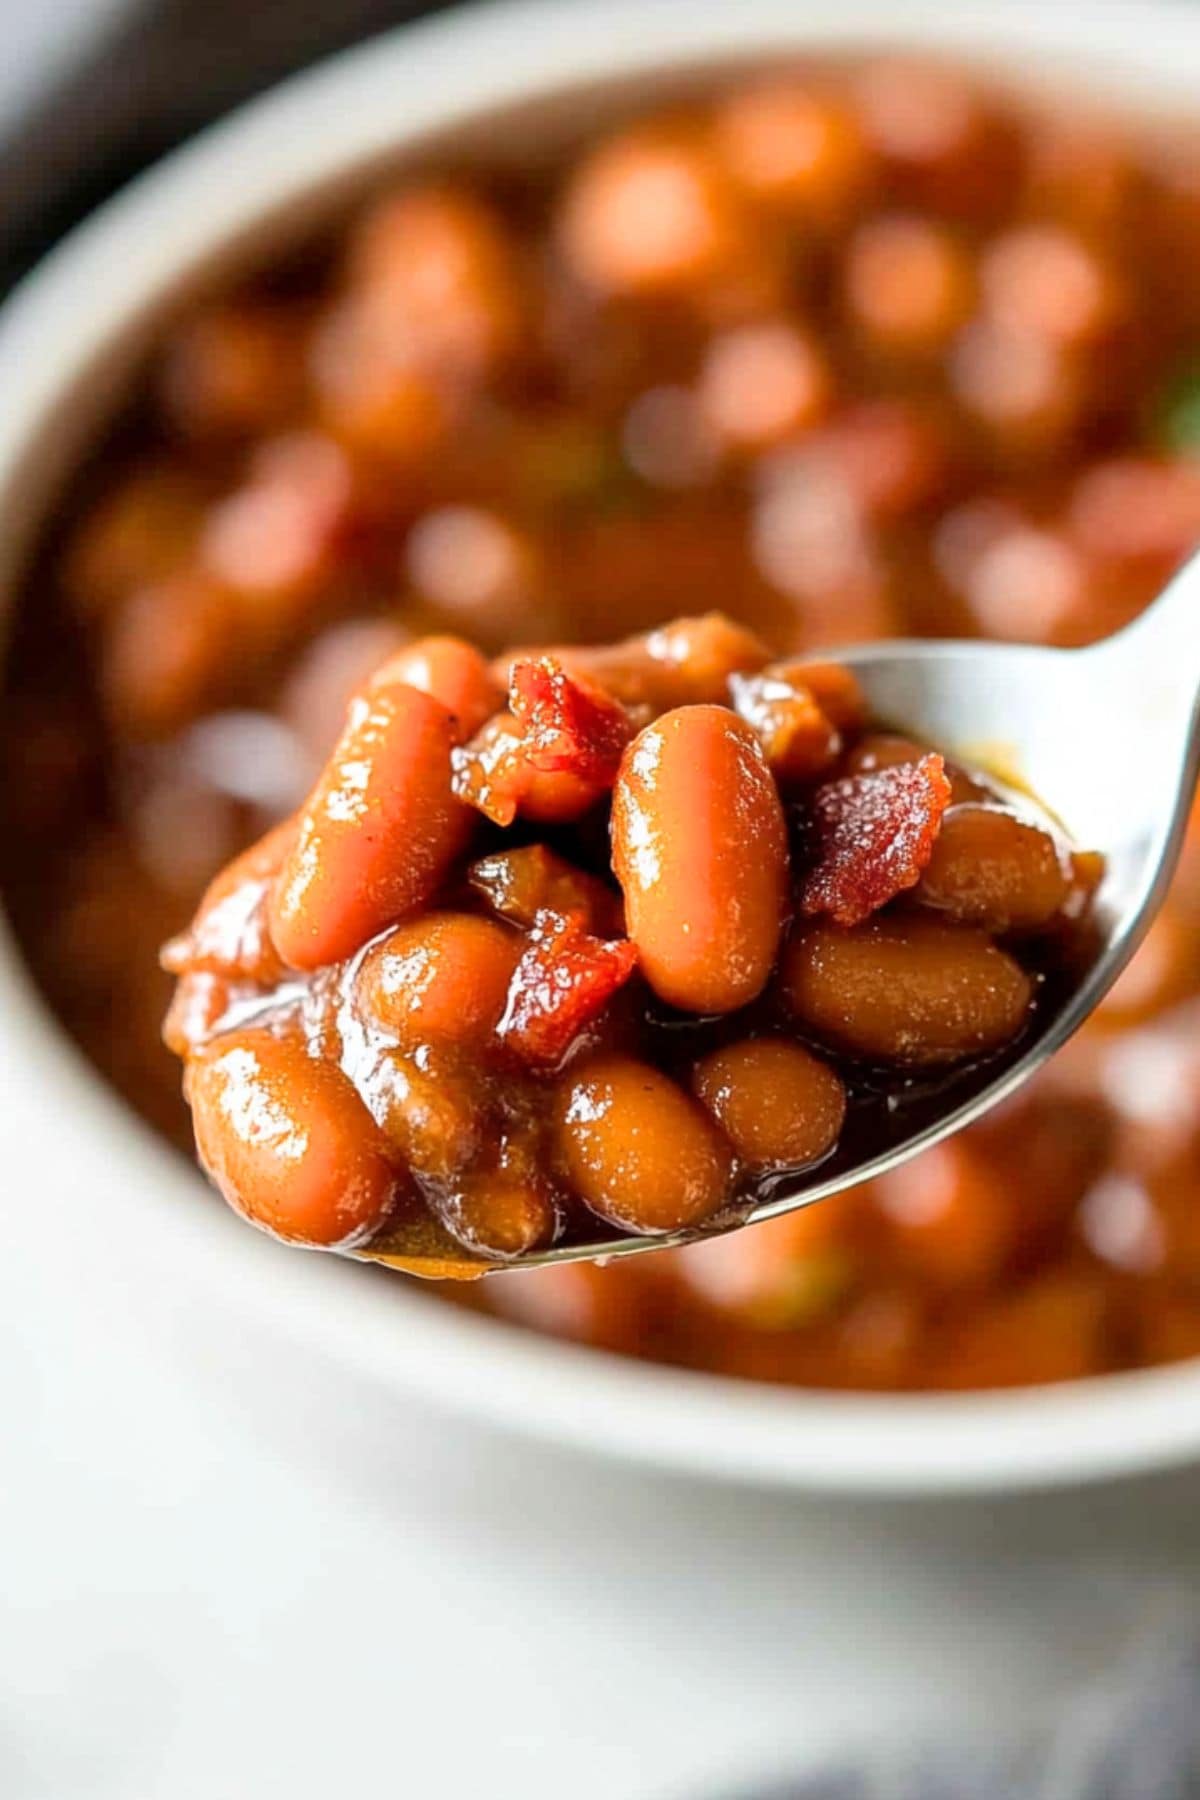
[1107,738]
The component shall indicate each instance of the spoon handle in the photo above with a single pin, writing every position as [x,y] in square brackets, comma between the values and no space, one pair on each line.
[1163,644]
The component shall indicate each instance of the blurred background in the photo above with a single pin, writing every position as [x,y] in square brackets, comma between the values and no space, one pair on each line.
[232,1567]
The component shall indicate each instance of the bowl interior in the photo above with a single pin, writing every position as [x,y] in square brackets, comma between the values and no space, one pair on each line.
[493,86]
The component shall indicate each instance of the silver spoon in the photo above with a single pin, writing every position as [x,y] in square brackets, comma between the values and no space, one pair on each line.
[1107,737]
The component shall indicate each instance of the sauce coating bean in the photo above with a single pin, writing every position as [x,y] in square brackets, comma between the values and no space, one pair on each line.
[778,1105]
[452,671]
[700,850]
[378,833]
[288,1141]
[638,1150]
[992,869]
[905,990]
[439,979]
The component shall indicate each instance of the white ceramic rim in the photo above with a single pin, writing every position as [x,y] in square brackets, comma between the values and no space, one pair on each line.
[65,339]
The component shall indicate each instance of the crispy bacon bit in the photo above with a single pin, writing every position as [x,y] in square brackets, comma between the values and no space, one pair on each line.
[519,884]
[563,980]
[570,726]
[799,741]
[870,837]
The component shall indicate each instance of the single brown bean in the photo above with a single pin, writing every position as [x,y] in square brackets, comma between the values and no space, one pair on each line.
[504,1207]
[450,669]
[905,990]
[431,1115]
[439,979]
[378,833]
[992,869]
[288,1141]
[777,1103]
[639,1151]
[700,850]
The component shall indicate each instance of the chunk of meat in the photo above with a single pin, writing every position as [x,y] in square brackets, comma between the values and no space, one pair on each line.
[569,726]
[564,979]
[870,837]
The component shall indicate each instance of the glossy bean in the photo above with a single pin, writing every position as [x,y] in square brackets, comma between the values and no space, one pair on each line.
[637,1150]
[288,1141]
[905,990]
[700,850]
[992,869]
[439,979]
[378,834]
[776,1102]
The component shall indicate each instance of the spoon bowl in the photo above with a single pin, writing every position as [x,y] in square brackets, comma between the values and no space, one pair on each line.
[1106,739]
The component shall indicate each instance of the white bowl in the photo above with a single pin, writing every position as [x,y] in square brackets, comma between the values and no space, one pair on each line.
[492,78]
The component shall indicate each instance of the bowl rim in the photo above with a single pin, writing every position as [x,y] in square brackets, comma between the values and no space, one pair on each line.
[64,336]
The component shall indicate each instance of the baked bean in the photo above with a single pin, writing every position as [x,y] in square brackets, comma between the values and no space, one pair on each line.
[795,149]
[288,1141]
[1043,281]
[786,1273]
[686,663]
[1025,396]
[834,688]
[429,1113]
[432,269]
[992,869]
[137,535]
[383,405]
[439,979]
[909,285]
[453,671]
[505,1207]
[639,1151]
[274,540]
[949,1217]
[905,990]
[798,739]
[1136,509]
[1031,583]
[164,653]
[651,213]
[378,833]
[779,1106]
[941,146]
[700,850]
[761,383]
[233,371]
[478,572]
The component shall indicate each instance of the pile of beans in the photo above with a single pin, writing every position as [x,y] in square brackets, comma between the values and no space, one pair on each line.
[839,352]
[387,1032]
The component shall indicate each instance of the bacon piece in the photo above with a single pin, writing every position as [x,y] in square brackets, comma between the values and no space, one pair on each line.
[569,725]
[564,979]
[870,837]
